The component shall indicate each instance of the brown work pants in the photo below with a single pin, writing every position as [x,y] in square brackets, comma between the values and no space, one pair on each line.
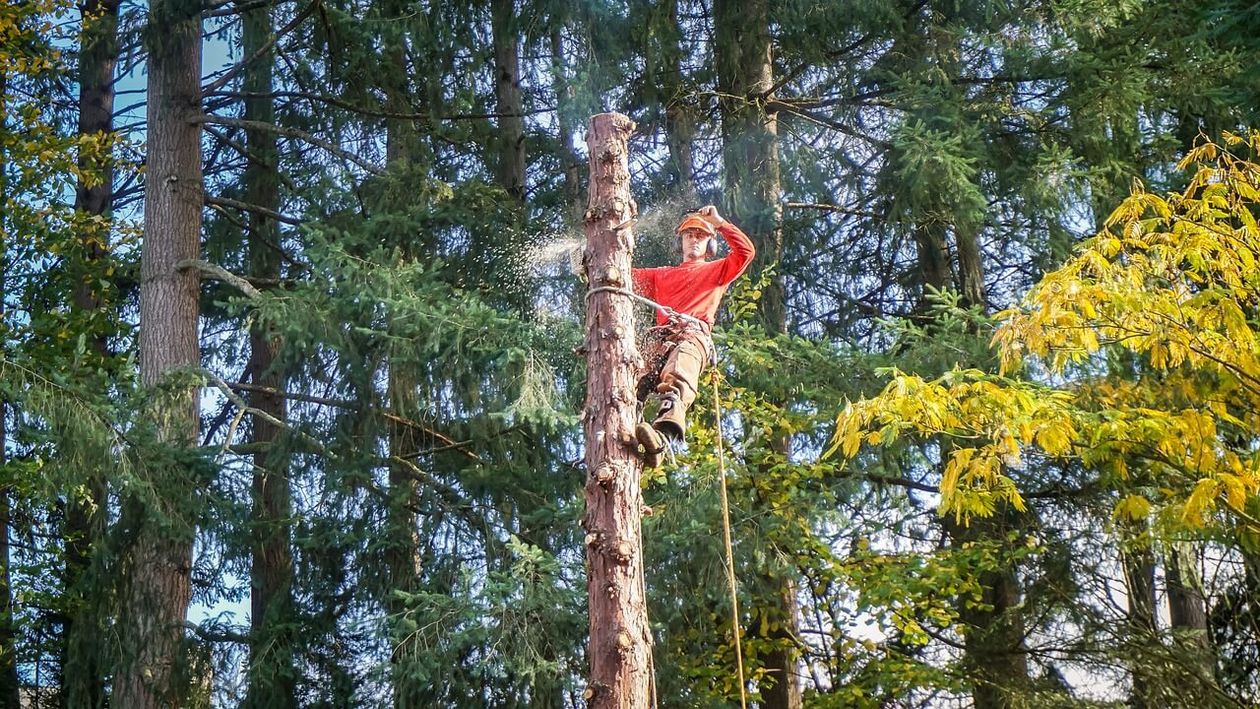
[674,355]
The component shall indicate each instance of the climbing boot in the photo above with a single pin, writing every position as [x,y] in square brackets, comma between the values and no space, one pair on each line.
[671,419]
[652,442]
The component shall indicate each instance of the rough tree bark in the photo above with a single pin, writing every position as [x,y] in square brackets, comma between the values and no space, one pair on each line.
[620,644]
[996,655]
[158,564]
[85,521]
[402,551]
[1138,562]
[507,92]
[272,676]
[9,685]
[1187,607]
[564,90]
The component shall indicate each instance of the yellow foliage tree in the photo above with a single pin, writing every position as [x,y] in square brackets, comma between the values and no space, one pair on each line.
[1172,280]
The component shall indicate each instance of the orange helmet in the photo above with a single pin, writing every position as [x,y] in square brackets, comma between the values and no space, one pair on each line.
[692,221]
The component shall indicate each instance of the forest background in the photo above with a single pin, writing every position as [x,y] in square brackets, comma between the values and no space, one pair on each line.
[289,406]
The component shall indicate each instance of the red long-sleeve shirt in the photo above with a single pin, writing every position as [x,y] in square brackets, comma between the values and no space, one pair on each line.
[696,288]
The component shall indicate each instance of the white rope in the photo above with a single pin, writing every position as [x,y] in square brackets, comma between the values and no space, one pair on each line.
[650,303]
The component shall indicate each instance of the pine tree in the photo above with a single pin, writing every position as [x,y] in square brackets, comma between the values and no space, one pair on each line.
[158,565]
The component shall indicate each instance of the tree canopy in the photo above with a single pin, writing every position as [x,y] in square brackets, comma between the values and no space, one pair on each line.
[290,412]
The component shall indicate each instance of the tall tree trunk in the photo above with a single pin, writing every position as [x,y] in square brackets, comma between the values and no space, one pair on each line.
[970,267]
[994,645]
[85,520]
[621,642]
[663,56]
[158,565]
[402,552]
[932,255]
[750,153]
[1187,608]
[1138,563]
[750,140]
[564,90]
[272,675]
[507,93]
[10,686]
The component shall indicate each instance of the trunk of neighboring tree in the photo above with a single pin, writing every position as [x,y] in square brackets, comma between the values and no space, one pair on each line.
[994,645]
[1139,580]
[970,268]
[1187,607]
[750,153]
[933,260]
[85,520]
[750,140]
[621,643]
[507,93]
[663,56]
[569,159]
[157,567]
[272,675]
[402,554]
[10,687]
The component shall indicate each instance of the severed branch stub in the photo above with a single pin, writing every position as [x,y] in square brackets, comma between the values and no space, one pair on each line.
[620,641]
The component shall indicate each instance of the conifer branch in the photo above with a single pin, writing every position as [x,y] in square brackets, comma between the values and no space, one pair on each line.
[775,105]
[448,443]
[377,112]
[831,208]
[231,72]
[220,273]
[247,207]
[218,636]
[250,155]
[244,405]
[290,132]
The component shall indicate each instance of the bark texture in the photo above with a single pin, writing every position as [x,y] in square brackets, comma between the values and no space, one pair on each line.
[621,644]
[272,675]
[507,92]
[750,139]
[994,643]
[1187,608]
[9,685]
[159,562]
[85,523]
[1138,562]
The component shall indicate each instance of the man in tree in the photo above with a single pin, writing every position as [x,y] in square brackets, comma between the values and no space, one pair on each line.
[680,344]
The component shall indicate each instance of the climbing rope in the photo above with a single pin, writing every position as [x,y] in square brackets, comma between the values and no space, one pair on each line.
[650,303]
[726,537]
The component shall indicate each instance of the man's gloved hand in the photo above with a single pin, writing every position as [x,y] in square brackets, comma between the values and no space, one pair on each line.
[710,214]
